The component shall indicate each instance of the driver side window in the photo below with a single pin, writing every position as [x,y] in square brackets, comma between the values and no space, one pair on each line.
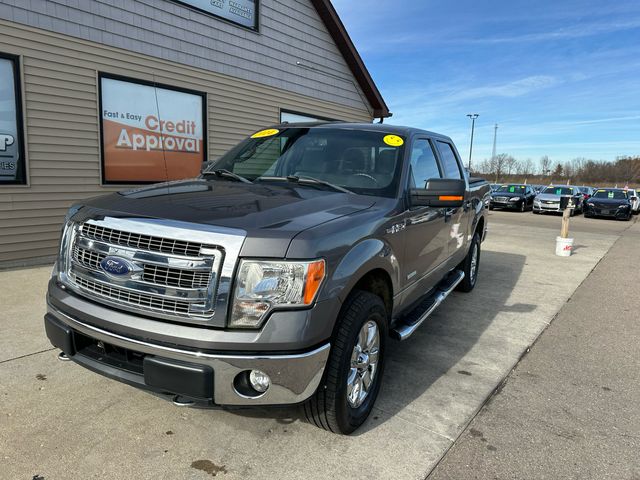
[423,164]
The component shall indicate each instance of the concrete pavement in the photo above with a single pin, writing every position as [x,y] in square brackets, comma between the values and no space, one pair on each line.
[59,420]
[571,408]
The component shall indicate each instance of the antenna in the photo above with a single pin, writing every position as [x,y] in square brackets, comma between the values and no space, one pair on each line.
[164,155]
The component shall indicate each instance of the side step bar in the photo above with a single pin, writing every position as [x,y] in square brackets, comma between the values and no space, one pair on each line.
[405,329]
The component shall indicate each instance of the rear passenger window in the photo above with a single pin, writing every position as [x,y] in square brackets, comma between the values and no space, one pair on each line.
[449,161]
[423,164]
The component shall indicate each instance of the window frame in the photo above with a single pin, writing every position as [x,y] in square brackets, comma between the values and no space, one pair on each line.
[21,171]
[302,114]
[459,164]
[409,153]
[123,78]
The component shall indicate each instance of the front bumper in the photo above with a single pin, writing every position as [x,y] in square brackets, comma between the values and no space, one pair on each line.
[610,213]
[516,204]
[202,376]
[547,207]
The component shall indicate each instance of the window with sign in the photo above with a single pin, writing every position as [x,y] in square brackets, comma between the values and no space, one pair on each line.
[12,164]
[150,132]
[240,12]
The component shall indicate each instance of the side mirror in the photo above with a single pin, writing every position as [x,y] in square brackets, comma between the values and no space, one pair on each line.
[439,193]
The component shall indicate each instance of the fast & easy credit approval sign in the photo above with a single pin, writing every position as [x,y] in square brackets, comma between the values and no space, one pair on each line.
[150,133]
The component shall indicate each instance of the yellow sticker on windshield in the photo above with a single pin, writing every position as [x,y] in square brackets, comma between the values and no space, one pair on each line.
[266,133]
[393,140]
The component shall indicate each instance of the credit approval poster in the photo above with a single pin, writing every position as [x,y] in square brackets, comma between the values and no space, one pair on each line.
[150,133]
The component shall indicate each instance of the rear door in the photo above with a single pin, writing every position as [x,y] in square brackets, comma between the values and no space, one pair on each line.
[456,219]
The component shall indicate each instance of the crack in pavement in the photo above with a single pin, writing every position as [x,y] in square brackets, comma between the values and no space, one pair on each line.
[26,355]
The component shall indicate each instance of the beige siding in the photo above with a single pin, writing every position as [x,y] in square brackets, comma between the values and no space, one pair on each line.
[61,115]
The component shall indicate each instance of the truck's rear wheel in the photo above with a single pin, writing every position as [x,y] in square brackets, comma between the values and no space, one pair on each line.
[470,265]
[354,370]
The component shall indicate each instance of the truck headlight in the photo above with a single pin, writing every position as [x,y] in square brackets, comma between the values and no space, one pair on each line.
[62,263]
[262,286]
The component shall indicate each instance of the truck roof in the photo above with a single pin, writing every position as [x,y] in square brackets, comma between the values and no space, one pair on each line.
[374,127]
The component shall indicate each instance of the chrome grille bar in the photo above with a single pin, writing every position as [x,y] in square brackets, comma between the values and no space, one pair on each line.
[174,270]
[143,242]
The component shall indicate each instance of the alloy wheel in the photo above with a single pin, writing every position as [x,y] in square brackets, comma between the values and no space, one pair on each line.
[364,363]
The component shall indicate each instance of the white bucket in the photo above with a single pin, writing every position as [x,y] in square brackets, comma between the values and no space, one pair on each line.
[564,246]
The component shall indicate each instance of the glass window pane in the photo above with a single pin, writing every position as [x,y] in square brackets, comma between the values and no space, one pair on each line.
[11,148]
[449,161]
[150,133]
[423,164]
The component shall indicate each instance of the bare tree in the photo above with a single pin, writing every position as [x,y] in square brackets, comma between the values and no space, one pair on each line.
[545,165]
[511,164]
[499,163]
[526,167]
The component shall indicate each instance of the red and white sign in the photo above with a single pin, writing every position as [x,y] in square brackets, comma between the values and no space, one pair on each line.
[150,133]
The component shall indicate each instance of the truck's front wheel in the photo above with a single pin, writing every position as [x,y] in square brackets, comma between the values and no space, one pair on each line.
[353,373]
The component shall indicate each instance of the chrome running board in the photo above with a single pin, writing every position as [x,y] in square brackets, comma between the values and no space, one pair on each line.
[405,329]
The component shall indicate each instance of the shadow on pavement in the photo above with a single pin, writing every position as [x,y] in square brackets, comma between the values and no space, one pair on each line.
[440,343]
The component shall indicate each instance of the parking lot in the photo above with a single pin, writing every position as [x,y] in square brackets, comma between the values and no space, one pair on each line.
[59,420]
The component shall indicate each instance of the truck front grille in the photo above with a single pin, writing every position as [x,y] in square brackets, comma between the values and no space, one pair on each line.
[131,298]
[172,278]
[143,242]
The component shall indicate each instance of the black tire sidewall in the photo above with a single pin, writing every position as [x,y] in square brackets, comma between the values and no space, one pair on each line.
[350,418]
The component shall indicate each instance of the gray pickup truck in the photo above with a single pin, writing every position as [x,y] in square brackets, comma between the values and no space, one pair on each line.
[278,275]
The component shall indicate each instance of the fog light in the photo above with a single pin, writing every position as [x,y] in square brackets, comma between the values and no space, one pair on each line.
[260,381]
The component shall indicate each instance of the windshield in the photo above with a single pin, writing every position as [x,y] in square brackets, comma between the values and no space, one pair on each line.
[512,188]
[361,161]
[614,194]
[558,191]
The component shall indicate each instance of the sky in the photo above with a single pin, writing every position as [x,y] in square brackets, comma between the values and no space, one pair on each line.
[559,77]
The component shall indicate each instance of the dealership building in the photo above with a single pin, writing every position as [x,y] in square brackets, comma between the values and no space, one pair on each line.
[99,94]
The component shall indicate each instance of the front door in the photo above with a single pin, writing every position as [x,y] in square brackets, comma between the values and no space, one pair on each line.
[426,232]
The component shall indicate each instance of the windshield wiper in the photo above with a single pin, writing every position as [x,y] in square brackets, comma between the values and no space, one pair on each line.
[221,172]
[309,181]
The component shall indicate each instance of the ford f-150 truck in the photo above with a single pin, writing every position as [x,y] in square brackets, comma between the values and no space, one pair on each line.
[278,275]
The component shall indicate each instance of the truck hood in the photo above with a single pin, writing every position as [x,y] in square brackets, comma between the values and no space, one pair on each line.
[609,202]
[271,214]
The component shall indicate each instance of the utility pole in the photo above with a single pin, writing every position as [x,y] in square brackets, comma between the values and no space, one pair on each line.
[495,138]
[473,117]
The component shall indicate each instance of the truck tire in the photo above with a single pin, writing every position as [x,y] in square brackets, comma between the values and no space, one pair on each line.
[470,266]
[338,405]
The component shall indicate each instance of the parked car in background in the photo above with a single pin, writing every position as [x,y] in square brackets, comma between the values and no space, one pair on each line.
[586,192]
[635,200]
[514,197]
[549,199]
[609,202]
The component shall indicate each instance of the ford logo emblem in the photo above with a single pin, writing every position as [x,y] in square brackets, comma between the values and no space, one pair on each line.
[116,266]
